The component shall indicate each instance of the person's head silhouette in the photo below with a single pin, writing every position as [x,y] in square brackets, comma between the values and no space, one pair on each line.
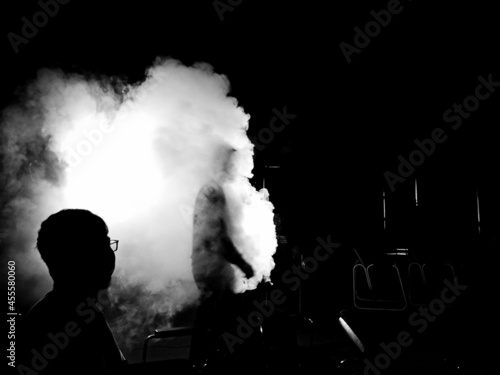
[74,244]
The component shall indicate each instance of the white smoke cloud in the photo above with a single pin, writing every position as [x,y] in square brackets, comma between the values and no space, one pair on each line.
[136,155]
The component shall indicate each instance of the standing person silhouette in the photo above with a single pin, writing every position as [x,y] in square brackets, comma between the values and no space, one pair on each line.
[66,332]
[214,254]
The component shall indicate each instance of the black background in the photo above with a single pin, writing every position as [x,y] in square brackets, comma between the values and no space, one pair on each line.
[353,119]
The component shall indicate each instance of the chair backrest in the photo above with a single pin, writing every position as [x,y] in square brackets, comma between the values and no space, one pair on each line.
[426,281]
[378,286]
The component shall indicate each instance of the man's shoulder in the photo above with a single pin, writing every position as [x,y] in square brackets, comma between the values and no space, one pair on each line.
[213,192]
[211,187]
[40,306]
[47,302]
[50,310]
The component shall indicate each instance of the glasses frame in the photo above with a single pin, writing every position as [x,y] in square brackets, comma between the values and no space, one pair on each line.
[114,245]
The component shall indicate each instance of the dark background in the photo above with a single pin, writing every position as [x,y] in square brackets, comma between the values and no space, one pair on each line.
[353,120]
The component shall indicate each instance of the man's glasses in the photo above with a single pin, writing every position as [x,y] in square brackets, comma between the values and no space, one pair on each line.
[114,245]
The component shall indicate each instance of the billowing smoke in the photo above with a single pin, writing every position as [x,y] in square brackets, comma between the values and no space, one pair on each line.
[136,155]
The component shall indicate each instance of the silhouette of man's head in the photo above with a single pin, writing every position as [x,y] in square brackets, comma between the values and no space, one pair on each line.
[75,246]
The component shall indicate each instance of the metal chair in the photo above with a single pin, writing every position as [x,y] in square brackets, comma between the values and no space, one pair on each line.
[425,281]
[378,286]
[171,366]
